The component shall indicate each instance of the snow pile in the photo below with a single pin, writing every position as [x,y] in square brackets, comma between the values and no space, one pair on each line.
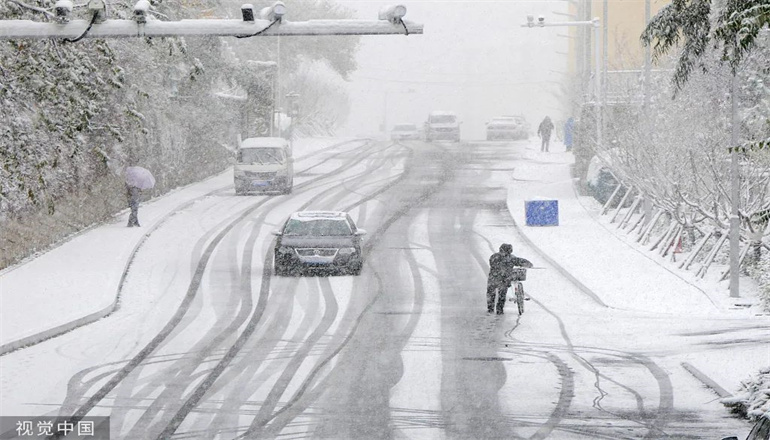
[753,399]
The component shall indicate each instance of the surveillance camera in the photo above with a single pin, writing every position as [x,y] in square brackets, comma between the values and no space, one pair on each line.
[247,12]
[279,10]
[273,13]
[99,9]
[393,14]
[141,9]
[62,10]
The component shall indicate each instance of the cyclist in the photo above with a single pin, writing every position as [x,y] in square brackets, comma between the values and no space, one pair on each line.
[501,266]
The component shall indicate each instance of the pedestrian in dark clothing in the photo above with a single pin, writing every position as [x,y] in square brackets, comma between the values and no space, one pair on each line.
[501,265]
[134,195]
[544,131]
[569,129]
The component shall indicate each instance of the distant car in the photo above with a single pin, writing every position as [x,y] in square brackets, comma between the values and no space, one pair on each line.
[326,240]
[264,164]
[405,132]
[442,125]
[503,129]
[761,430]
[508,127]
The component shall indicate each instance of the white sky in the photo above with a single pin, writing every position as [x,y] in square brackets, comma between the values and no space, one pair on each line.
[473,58]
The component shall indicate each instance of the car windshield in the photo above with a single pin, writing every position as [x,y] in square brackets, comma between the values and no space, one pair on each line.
[319,227]
[404,127]
[262,155]
[443,119]
[503,126]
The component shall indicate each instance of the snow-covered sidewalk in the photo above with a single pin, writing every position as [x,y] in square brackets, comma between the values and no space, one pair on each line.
[78,282]
[612,270]
[589,251]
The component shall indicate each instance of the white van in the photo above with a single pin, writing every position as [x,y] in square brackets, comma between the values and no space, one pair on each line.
[264,164]
[442,125]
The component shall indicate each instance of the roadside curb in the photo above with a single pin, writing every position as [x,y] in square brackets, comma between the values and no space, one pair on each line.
[582,287]
[95,316]
[707,381]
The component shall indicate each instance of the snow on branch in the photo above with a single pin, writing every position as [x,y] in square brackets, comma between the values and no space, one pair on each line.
[32,8]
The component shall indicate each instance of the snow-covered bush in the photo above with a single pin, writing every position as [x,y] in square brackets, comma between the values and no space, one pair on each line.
[753,398]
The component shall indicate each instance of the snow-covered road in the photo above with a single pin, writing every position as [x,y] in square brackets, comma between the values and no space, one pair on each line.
[207,343]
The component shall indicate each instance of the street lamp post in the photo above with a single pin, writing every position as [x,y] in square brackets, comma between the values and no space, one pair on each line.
[595,23]
[293,112]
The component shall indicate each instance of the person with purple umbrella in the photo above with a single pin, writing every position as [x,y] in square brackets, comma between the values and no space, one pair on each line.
[137,179]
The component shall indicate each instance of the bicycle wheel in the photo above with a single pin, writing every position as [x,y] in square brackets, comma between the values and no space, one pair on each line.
[520,298]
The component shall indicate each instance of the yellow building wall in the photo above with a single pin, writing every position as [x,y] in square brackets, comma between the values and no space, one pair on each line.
[626,21]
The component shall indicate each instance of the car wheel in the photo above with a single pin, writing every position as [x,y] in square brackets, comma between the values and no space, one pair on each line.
[356,269]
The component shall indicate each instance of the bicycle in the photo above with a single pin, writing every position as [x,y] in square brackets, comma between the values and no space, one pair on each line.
[519,275]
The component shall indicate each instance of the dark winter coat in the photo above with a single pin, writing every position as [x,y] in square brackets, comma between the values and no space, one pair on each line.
[545,128]
[501,267]
[134,195]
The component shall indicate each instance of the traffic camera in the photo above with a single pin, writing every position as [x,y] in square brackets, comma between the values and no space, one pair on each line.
[62,10]
[141,9]
[247,12]
[98,9]
[273,13]
[393,14]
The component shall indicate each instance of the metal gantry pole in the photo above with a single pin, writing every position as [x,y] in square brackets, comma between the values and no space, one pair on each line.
[605,46]
[598,98]
[598,84]
[27,29]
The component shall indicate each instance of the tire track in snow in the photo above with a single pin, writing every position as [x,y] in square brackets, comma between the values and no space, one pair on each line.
[203,388]
[191,293]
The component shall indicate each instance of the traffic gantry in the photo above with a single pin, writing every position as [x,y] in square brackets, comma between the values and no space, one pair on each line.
[269,21]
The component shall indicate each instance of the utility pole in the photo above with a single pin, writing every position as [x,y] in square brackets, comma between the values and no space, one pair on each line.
[596,24]
[647,203]
[605,47]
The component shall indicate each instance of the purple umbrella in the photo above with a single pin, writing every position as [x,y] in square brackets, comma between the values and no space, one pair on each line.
[139,177]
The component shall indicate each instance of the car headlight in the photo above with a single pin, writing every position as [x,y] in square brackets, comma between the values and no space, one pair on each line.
[347,251]
[285,250]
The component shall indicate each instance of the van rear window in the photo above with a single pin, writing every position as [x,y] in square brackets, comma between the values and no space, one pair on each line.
[261,156]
